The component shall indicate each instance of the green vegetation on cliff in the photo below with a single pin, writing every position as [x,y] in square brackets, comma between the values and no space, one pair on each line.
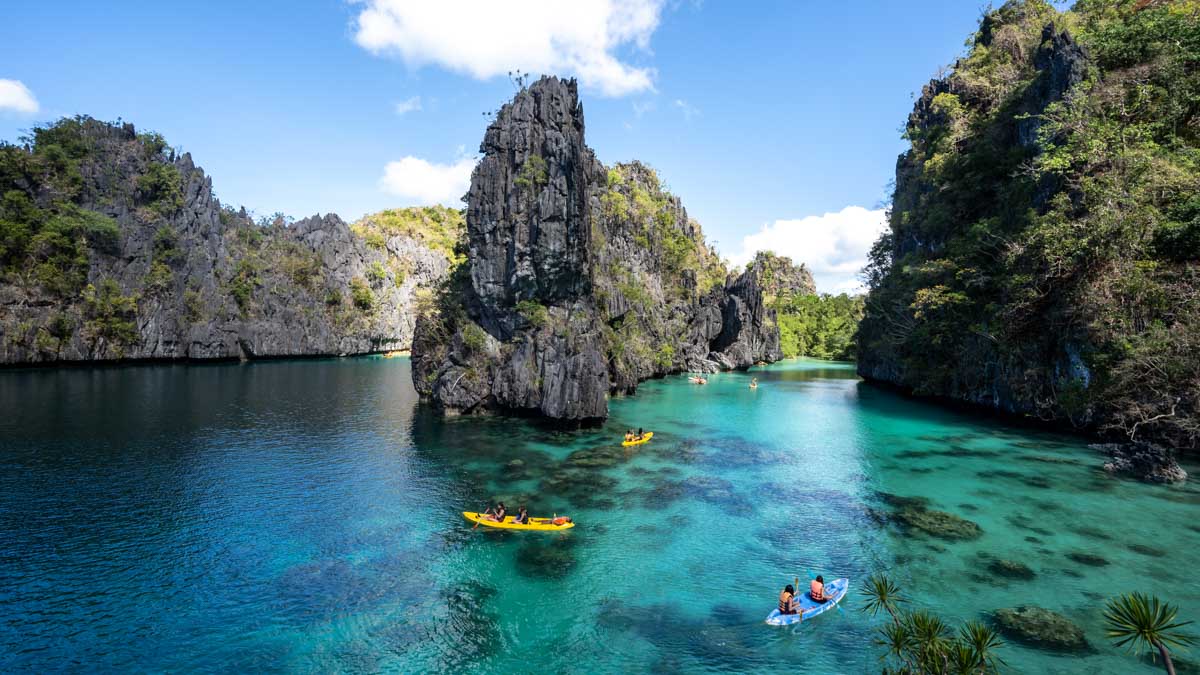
[438,227]
[821,326]
[652,255]
[1044,253]
[113,246]
[47,237]
[635,194]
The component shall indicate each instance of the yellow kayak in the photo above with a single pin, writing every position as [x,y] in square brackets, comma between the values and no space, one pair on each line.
[639,441]
[544,524]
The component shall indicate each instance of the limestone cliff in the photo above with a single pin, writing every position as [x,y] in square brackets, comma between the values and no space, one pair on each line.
[581,280]
[113,246]
[1044,251]
[782,279]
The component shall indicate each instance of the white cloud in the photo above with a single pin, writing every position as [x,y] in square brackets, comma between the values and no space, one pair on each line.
[410,105]
[427,183]
[640,109]
[834,246]
[486,39]
[689,110]
[15,96]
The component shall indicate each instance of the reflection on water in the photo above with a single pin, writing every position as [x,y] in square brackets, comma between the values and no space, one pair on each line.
[305,516]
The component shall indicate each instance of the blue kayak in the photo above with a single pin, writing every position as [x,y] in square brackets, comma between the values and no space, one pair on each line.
[836,590]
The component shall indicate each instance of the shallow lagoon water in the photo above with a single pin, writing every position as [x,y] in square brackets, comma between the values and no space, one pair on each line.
[286,516]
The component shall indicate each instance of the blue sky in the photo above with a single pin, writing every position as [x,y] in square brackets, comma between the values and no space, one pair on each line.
[768,119]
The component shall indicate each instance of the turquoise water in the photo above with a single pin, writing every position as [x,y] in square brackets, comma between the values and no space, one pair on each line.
[304,516]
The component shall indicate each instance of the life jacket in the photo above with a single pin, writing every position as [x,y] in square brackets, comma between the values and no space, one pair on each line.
[815,589]
[785,605]
[561,520]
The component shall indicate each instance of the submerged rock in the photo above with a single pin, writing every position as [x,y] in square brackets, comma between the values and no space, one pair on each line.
[1089,559]
[899,501]
[1010,569]
[546,560]
[1144,461]
[938,523]
[1143,549]
[1038,627]
[600,457]
[583,488]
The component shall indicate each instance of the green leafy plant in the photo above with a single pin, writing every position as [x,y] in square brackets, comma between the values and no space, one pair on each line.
[110,314]
[246,278]
[438,227]
[376,274]
[534,312]
[1142,623]
[361,294]
[664,357]
[882,594]
[919,641]
[193,305]
[160,188]
[533,173]
[474,338]
[158,279]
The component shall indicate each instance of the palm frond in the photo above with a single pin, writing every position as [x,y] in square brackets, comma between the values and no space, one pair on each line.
[882,594]
[984,640]
[1139,623]
[963,658]
[898,639]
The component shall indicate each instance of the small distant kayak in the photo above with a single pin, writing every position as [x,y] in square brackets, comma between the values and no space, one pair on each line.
[836,590]
[543,524]
[639,441]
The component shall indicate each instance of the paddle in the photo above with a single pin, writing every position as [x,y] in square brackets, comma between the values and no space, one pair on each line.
[481,514]
[796,585]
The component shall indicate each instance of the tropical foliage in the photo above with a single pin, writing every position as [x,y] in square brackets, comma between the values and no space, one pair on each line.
[437,227]
[918,641]
[1143,623]
[1052,239]
[820,326]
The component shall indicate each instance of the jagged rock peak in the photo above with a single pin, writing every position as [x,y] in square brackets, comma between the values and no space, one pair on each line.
[580,281]
[781,277]
[527,208]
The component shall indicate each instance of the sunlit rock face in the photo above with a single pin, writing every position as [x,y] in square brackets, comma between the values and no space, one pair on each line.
[581,280]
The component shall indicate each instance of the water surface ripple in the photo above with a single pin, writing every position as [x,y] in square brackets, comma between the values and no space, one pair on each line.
[304,516]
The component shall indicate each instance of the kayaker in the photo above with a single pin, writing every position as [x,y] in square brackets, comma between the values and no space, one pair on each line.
[522,517]
[561,520]
[816,589]
[498,513]
[787,600]
[629,435]
[640,435]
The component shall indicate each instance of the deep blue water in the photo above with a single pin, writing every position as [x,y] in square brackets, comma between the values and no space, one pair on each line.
[304,516]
